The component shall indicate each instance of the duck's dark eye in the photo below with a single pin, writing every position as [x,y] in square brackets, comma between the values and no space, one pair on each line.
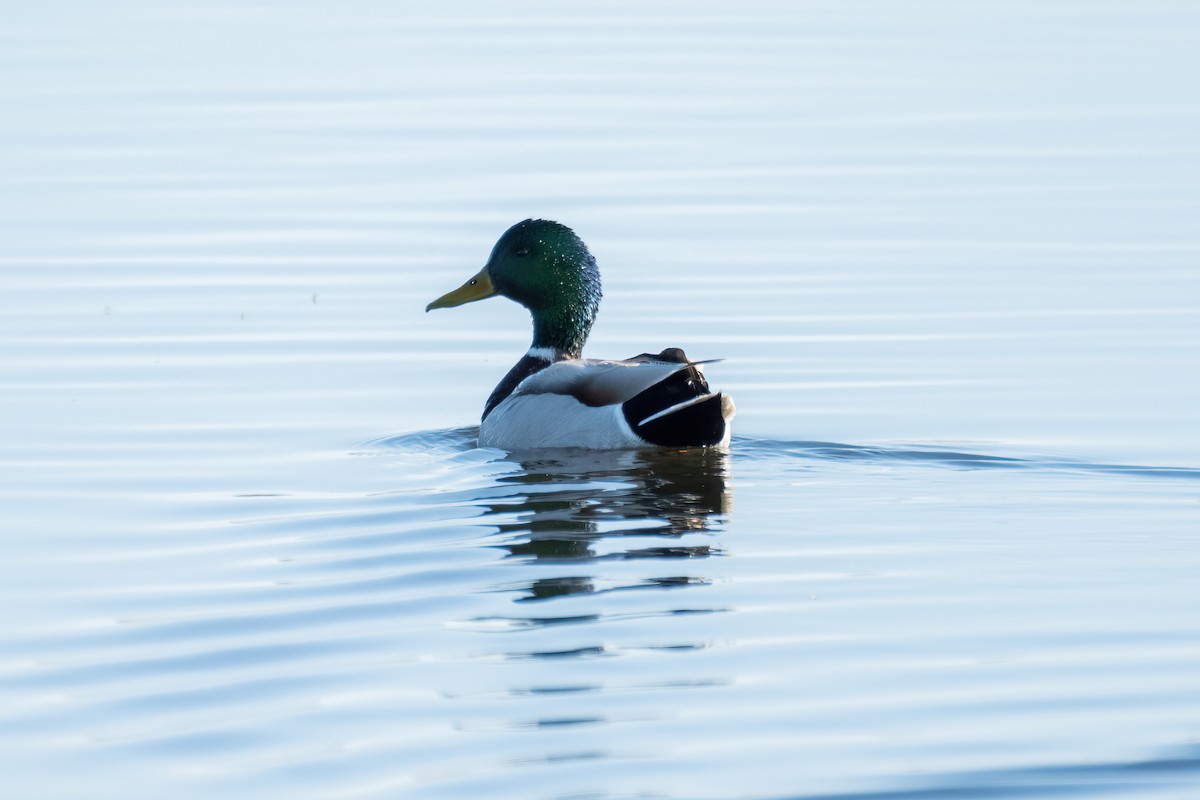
[521,251]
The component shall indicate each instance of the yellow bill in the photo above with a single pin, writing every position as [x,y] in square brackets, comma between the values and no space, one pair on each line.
[478,288]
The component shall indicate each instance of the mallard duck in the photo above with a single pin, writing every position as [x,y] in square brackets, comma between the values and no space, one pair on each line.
[553,397]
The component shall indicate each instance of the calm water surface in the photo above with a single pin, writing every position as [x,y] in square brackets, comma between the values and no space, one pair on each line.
[948,253]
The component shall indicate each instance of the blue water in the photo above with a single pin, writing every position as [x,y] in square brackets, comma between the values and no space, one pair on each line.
[948,253]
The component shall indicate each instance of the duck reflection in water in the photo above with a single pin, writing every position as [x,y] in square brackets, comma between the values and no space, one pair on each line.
[577,506]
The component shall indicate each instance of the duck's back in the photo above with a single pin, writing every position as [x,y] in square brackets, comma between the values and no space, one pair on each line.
[648,400]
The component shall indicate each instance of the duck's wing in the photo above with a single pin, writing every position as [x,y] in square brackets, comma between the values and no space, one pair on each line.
[650,399]
[660,399]
[596,382]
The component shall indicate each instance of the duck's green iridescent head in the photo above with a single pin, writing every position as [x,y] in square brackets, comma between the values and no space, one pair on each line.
[545,267]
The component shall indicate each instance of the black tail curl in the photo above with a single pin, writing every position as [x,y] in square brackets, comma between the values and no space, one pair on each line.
[692,424]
